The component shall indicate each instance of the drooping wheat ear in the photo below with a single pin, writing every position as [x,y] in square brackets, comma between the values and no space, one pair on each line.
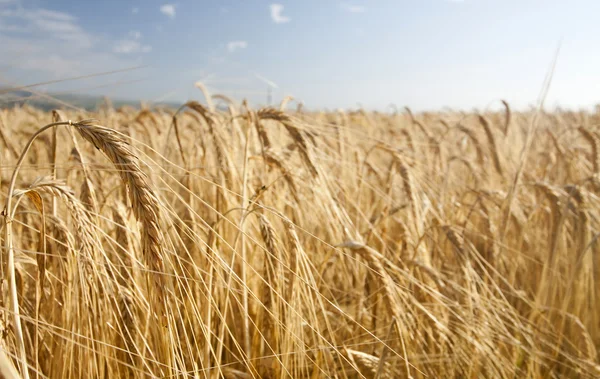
[368,364]
[263,137]
[507,116]
[234,109]
[295,255]
[492,141]
[178,138]
[467,163]
[490,230]
[438,152]
[273,158]
[58,189]
[88,196]
[456,239]
[56,117]
[409,141]
[408,187]
[212,122]
[271,287]
[475,141]
[410,115]
[376,261]
[423,129]
[594,142]
[286,121]
[225,98]
[88,192]
[206,94]
[285,102]
[148,114]
[551,193]
[583,219]
[145,204]
[556,143]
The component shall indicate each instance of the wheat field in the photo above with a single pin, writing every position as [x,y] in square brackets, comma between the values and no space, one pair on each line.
[225,241]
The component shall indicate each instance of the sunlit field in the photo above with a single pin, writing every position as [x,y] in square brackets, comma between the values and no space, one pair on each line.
[218,240]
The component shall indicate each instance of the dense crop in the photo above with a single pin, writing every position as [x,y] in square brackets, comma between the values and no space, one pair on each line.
[262,243]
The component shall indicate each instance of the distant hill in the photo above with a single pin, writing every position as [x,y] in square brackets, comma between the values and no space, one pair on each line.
[55,100]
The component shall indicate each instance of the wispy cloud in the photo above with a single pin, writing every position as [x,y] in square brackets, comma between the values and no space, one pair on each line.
[276,14]
[168,10]
[353,8]
[236,45]
[135,10]
[45,43]
[45,23]
[132,44]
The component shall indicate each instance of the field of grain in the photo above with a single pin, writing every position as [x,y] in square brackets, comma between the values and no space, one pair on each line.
[267,243]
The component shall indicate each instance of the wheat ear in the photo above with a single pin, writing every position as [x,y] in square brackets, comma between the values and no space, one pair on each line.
[145,204]
[286,121]
[594,143]
[492,141]
[507,116]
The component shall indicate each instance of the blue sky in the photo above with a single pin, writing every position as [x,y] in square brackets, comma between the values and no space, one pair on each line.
[426,54]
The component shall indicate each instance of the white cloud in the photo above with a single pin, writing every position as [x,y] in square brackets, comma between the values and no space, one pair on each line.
[132,45]
[168,10]
[353,8]
[276,16]
[235,45]
[135,10]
